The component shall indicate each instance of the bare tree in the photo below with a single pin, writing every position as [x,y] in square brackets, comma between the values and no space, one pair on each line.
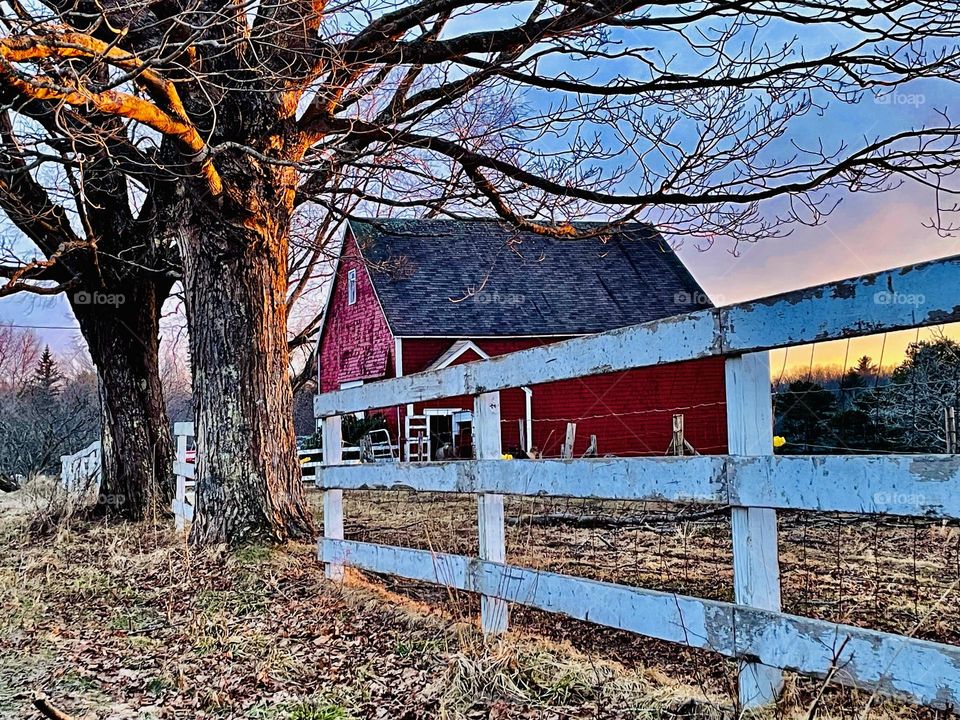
[921,389]
[111,255]
[222,119]
[48,413]
[19,353]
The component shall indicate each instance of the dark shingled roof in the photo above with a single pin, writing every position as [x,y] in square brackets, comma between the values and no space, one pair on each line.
[479,278]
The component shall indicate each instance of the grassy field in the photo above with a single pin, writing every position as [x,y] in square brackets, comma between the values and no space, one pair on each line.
[129,622]
[897,575]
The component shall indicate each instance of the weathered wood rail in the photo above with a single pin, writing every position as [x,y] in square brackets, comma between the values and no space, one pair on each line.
[749,479]
[81,470]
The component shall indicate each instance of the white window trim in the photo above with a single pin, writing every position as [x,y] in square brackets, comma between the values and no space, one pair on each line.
[352,287]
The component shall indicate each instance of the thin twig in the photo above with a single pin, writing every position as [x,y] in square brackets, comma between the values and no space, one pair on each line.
[42,703]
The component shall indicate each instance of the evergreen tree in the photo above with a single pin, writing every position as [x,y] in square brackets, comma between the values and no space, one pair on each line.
[51,416]
[865,367]
[47,376]
[804,415]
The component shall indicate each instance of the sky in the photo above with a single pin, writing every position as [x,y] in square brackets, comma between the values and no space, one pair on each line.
[864,234]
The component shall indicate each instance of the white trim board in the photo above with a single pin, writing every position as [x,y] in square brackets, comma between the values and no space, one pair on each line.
[454,352]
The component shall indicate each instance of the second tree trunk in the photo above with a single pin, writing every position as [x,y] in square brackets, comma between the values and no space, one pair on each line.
[122,331]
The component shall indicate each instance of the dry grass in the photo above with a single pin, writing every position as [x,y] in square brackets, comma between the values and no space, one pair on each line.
[898,576]
[125,622]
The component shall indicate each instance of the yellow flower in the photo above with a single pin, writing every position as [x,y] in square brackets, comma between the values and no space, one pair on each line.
[506,456]
[778,441]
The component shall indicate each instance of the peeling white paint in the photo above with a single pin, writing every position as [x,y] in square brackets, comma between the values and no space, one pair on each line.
[912,486]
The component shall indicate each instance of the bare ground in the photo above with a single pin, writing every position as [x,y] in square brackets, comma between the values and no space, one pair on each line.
[129,622]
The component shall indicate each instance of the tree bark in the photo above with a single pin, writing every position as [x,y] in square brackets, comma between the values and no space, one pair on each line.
[122,330]
[249,484]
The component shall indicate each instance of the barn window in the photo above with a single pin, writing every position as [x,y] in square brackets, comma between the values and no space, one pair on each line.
[351,287]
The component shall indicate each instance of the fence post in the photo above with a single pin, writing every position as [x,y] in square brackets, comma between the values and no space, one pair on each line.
[494,613]
[950,429]
[65,471]
[332,499]
[180,500]
[756,568]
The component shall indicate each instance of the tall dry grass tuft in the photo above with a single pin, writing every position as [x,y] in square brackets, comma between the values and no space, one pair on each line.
[50,508]
[541,674]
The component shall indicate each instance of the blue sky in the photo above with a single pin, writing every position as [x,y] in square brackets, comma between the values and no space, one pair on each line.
[865,233]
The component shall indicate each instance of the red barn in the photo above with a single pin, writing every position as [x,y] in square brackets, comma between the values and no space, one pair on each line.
[414,295]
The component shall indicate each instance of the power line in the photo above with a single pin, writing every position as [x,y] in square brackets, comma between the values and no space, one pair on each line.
[39,327]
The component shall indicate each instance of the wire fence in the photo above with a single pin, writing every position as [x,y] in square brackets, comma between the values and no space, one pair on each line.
[893,574]
[900,575]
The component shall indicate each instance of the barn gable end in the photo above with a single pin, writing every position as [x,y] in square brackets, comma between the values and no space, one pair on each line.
[356,343]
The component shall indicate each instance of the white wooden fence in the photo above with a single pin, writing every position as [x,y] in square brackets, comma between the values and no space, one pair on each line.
[81,470]
[185,471]
[753,482]
[183,497]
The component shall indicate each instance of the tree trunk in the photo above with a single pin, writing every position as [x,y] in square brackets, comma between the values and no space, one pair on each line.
[122,330]
[249,484]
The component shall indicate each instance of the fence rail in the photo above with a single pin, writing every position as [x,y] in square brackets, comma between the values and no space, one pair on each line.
[749,479]
[81,470]
[912,486]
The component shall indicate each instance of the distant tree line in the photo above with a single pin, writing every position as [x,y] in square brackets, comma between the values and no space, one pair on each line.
[866,409]
[45,410]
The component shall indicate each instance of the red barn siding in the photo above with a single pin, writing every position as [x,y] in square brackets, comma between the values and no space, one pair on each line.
[356,342]
[420,353]
[630,412]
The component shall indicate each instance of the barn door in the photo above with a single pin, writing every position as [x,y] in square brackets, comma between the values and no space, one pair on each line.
[417,438]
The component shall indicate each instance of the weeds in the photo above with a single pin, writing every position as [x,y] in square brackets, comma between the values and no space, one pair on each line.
[312,708]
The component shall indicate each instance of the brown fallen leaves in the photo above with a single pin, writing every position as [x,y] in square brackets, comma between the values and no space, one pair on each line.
[128,622]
